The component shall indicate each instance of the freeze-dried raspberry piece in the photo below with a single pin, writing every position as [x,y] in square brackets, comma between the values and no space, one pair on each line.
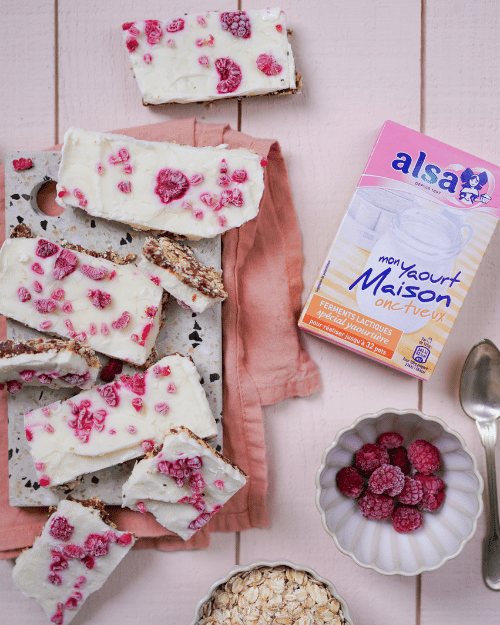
[175,25]
[230,75]
[399,458]
[96,545]
[65,264]
[349,482]
[237,23]
[61,528]
[114,367]
[171,185]
[240,175]
[268,65]
[100,299]
[135,383]
[45,249]
[406,519]
[153,31]
[122,321]
[22,163]
[412,492]
[370,457]
[94,273]
[44,306]
[23,294]
[424,457]
[109,394]
[431,502]
[387,478]
[430,483]
[374,506]
[390,440]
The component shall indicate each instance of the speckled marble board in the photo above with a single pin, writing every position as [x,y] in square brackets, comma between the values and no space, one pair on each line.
[196,335]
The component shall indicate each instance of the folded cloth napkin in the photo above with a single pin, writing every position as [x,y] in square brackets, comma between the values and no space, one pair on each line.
[263,359]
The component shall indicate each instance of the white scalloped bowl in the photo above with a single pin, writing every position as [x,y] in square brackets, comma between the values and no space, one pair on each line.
[240,569]
[376,544]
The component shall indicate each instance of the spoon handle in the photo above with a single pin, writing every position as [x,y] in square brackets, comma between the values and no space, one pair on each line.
[491,555]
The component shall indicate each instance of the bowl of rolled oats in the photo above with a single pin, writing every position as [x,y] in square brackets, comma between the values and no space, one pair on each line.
[281,593]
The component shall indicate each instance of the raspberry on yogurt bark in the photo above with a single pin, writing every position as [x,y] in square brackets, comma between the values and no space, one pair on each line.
[176,270]
[74,555]
[47,362]
[115,422]
[197,192]
[114,309]
[211,55]
[183,484]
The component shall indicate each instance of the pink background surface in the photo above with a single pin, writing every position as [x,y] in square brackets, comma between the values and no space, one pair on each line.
[420,64]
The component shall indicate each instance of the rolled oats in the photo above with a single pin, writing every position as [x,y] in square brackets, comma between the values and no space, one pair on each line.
[277,595]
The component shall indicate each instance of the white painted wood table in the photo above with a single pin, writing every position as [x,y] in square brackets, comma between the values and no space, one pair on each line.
[433,66]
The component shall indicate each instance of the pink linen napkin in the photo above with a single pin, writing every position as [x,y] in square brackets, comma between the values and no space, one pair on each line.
[264,361]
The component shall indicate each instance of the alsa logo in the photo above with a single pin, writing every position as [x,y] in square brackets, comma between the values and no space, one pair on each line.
[469,187]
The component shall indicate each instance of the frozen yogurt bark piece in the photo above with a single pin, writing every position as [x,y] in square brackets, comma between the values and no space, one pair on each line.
[195,192]
[115,422]
[194,58]
[47,362]
[114,309]
[174,267]
[182,484]
[74,555]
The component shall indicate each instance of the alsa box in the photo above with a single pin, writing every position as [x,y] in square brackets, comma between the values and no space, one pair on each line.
[406,252]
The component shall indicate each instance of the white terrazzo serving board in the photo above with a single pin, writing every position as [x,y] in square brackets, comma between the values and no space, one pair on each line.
[191,334]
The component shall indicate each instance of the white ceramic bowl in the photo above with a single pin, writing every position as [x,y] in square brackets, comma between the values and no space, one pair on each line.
[376,544]
[240,569]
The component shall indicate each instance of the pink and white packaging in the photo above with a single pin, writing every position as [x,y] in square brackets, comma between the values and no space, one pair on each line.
[115,422]
[406,253]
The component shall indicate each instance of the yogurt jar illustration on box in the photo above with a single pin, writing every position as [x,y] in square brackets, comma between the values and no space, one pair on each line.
[409,272]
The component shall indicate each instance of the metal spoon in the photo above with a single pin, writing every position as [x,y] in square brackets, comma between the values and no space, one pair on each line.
[480,400]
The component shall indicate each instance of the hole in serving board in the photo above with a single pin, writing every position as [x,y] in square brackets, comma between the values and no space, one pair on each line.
[44,199]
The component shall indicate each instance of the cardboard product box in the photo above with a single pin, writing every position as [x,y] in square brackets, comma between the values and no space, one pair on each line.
[406,252]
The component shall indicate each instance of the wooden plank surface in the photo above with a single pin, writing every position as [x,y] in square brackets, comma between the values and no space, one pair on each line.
[361,63]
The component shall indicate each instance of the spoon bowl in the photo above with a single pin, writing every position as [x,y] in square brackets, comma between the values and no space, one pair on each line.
[480,400]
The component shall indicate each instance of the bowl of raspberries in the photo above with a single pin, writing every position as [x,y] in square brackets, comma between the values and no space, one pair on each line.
[399,492]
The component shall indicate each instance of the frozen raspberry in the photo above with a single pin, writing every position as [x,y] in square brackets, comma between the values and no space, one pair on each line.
[171,185]
[45,306]
[58,561]
[371,457]
[37,268]
[22,163]
[153,31]
[73,551]
[127,25]
[37,287]
[224,180]
[27,374]
[407,519]
[94,273]
[147,58]
[387,478]
[61,529]
[122,321]
[175,25]
[269,65]
[137,404]
[109,394]
[67,308]
[399,458]
[99,299]
[124,539]
[240,175]
[23,294]
[374,506]
[135,383]
[114,367]
[125,187]
[390,440]
[432,501]
[203,60]
[424,457]
[45,249]
[230,75]
[54,578]
[80,581]
[349,482]
[201,21]
[75,379]
[89,562]
[237,23]
[412,492]
[58,294]
[132,44]
[162,407]
[73,601]
[197,483]
[197,179]
[96,545]
[14,386]
[430,483]
[161,371]
[65,264]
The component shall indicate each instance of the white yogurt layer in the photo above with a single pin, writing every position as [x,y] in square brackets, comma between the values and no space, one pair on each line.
[212,55]
[115,309]
[57,368]
[183,486]
[196,192]
[72,558]
[115,422]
